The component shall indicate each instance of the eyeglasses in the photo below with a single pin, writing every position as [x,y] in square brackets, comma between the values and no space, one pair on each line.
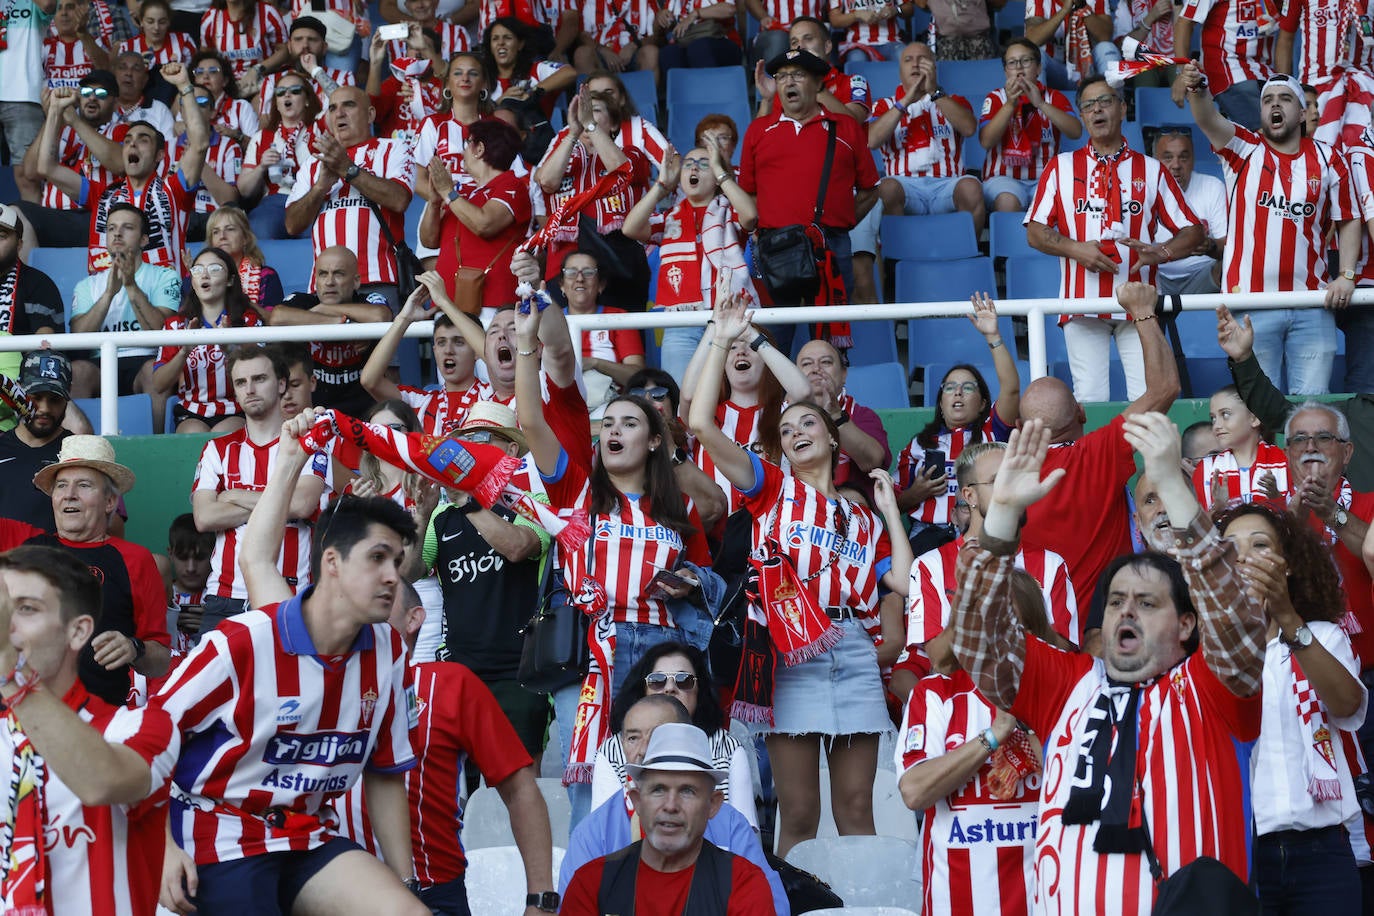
[791,76]
[94,92]
[586,273]
[207,270]
[659,681]
[284,91]
[1323,440]
[1020,63]
[959,387]
[656,393]
[1101,103]
[206,71]
[696,165]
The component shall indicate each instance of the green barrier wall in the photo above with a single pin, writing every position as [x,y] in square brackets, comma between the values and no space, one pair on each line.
[166,465]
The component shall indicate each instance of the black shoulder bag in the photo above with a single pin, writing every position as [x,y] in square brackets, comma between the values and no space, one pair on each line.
[555,652]
[408,266]
[786,257]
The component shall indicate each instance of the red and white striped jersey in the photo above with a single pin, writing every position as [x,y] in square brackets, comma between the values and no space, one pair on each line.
[97,857]
[346,218]
[1030,141]
[165,201]
[1236,45]
[635,134]
[292,143]
[1281,207]
[233,462]
[1059,44]
[627,547]
[532,12]
[453,39]
[849,88]
[741,425]
[1187,766]
[248,46]
[939,510]
[860,35]
[269,87]
[1360,159]
[842,544]
[934,583]
[1241,483]
[617,24]
[203,388]
[583,171]
[925,144]
[260,735]
[540,70]
[178,47]
[1326,27]
[73,153]
[236,114]
[978,851]
[1152,210]
[783,12]
[65,63]
[441,412]
[443,136]
[225,157]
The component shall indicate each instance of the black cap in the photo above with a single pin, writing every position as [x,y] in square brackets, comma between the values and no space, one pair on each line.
[100,78]
[46,370]
[311,23]
[798,57]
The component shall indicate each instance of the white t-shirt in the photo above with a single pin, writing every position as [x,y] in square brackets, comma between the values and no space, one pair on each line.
[1206,195]
[21,63]
[161,285]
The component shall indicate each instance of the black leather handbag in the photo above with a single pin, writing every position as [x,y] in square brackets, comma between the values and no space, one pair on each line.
[786,257]
[555,652]
[408,266]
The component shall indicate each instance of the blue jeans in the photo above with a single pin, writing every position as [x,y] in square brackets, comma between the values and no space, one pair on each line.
[20,123]
[1357,324]
[1302,339]
[1241,103]
[704,52]
[678,346]
[1057,74]
[1307,873]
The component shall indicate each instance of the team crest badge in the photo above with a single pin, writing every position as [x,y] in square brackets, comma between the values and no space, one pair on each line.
[367,705]
[1321,740]
[1138,185]
[1179,681]
[1314,186]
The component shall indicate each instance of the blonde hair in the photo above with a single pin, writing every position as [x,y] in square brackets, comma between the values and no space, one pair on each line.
[250,241]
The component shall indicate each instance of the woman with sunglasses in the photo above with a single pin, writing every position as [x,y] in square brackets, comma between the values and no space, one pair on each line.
[229,115]
[681,672]
[276,151]
[197,374]
[966,413]
[828,700]
[633,566]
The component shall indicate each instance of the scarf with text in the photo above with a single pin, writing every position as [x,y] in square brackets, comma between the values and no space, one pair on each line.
[425,93]
[24,885]
[1110,759]
[591,725]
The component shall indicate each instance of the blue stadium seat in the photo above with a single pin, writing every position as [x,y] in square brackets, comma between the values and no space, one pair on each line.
[414,213]
[882,76]
[135,415]
[1197,331]
[1154,107]
[1117,389]
[879,386]
[643,92]
[684,117]
[1011,18]
[1056,351]
[920,23]
[944,281]
[408,361]
[973,79]
[1007,237]
[9,190]
[1032,276]
[1208,374]
[937,237]
[952,340]
[292,259]
[935,374]
[874,342]
[706,84]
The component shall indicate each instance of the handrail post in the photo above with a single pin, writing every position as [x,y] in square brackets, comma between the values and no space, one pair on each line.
[109,388]
[1035,342]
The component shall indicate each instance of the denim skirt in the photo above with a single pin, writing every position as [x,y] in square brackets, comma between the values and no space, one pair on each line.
[839,692]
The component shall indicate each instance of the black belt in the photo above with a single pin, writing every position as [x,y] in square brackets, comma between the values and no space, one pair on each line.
[839,612]
[1284,836]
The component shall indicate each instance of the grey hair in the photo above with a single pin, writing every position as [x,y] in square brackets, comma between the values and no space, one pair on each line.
[1342,422]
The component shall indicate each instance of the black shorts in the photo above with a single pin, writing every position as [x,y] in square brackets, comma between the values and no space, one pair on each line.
[264,885]
[180,414]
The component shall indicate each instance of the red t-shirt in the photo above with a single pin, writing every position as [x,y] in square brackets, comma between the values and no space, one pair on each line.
[460,246]
[613,345]
[781,166]
[660,893]
[1355,581]
[1085,519]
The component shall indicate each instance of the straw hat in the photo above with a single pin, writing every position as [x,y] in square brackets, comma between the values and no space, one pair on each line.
[94,452]
[496,417]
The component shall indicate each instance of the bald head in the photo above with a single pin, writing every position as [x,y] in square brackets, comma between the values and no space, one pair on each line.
[350,115]
[1052,402]
[336,276]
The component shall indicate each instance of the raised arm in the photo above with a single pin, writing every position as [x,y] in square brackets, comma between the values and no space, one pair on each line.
[731,320]
[637,220]
[59,176]
[529,403]
[1218,129]
[1230,618]
[988,638]
[192,162]
[1263,398]
[373,376]
[984,318]
[1161,371]
[267,522]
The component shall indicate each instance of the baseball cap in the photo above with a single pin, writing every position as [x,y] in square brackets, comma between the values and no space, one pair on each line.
[46,370]
[311,23]
[1287,82]
[799,57]
[9,218]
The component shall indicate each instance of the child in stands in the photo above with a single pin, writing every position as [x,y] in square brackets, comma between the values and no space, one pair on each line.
[1249,467]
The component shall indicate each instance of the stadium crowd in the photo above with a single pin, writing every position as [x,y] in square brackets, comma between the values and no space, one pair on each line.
[1112,666]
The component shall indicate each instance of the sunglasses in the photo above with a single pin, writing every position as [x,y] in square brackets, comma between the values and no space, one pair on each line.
[659,680]
[206,71]
[284,91]
[479,436]
[656,393]
[94,92]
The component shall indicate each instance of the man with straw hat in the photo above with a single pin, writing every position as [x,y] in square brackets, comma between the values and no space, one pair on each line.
[85,484]
[673,870]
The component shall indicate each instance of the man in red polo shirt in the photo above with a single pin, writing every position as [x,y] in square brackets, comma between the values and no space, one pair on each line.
[784,152]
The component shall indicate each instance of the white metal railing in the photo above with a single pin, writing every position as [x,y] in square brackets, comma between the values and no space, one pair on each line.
[1033,309]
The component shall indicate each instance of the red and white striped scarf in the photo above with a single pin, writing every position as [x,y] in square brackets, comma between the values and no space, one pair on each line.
[721,248]
[1319,754]
[250,275]
[23,858]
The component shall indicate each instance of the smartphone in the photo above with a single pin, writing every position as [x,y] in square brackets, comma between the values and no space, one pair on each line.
[396,31]
[664,581]
[933,458]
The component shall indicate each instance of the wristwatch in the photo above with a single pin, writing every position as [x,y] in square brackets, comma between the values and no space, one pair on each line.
[1348,275]
[679,456]
[140,649]
[842,419]
[937,95]
[352,172]
[758,342]
[1341,517]
[1302,637]
[547,902]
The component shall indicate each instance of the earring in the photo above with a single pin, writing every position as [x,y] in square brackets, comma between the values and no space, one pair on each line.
[448,95]
[834,444]
[481,95]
